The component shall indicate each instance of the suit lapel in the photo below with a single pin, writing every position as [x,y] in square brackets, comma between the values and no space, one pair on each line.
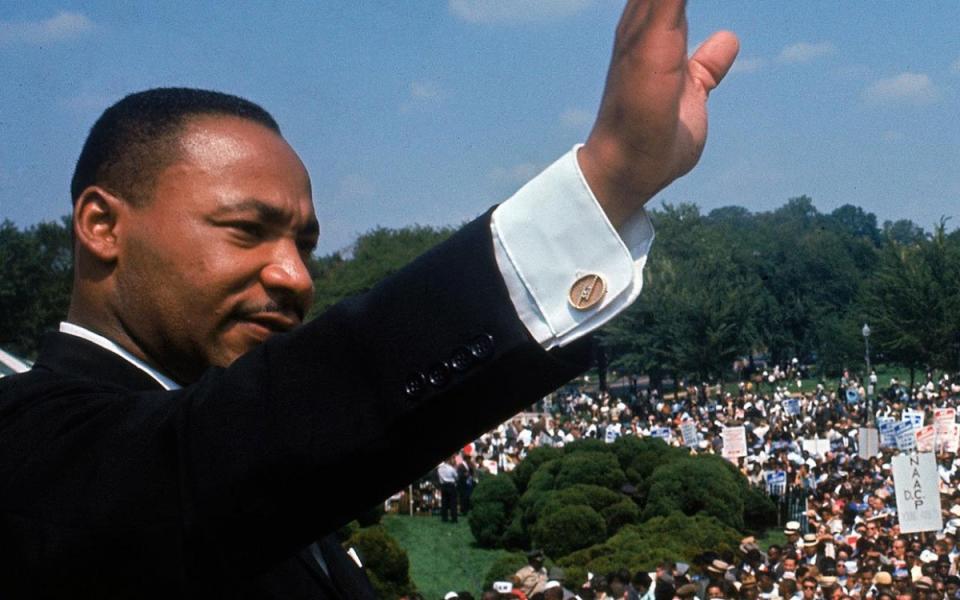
[71,355]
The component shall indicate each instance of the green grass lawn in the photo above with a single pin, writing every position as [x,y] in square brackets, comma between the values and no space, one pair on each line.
[442,555]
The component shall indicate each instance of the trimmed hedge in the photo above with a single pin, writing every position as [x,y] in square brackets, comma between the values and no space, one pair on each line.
[693,485]
[567,529]
[386,562]
[637,547]
[596,468]
[535,457]
[503,568]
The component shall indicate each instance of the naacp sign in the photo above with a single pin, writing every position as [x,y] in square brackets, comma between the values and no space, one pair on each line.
[918,497]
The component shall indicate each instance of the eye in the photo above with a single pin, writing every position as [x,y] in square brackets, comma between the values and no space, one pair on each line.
[248,230]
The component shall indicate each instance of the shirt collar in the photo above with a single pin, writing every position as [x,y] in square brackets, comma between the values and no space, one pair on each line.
[83,332]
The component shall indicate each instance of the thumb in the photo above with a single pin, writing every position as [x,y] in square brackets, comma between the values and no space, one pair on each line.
[710,63]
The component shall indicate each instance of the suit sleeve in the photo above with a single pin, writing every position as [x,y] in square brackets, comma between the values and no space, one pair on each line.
[314,426]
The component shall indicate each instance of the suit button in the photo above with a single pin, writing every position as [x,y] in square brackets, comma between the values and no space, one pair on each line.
[438,375]
[415,385]
[461,359]
[481,346]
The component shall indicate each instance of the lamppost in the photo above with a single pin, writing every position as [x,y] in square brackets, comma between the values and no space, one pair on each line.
[866,343]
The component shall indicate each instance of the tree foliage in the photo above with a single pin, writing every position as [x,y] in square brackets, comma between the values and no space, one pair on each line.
[36,274]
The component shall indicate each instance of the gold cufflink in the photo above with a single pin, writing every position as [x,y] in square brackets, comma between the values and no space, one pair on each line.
[587,291]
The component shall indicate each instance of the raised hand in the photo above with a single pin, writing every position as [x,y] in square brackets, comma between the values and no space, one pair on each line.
[652,122]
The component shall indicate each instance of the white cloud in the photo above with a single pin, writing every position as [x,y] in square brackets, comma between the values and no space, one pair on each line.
[425,89]
[576,118]
[62,26]
[905,88]
[804,52]
[515,175]
[498,12]
[748,64]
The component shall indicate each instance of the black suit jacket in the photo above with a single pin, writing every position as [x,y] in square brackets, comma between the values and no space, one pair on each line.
[112,488]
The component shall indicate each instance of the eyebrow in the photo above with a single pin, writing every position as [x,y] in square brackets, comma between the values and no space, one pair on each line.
[265,212]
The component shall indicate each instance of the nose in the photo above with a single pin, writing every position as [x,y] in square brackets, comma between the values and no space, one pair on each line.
[287,273]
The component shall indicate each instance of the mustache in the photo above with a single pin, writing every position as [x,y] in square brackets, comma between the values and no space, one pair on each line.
[291,310]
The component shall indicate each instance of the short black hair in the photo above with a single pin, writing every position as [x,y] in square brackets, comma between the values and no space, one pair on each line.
[136,138]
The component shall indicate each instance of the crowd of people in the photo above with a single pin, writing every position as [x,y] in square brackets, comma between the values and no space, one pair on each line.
[843,542]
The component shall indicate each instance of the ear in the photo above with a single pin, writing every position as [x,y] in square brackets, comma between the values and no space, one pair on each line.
[97,215]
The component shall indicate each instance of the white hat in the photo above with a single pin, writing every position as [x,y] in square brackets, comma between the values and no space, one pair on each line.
[451,595]
[551,584]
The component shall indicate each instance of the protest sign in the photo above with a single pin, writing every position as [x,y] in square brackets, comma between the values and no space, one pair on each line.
[949,441]
[661,432]
[688,429]
[791,406]
[776,483]
[734,442]
[906,440]
[868,443]
[944,419]
[612,434]
[852,396]
[918,497]
[925,437]
[888,432]
[818,446]
[913,416]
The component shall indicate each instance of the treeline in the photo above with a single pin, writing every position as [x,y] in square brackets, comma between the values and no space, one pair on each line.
[788,283]
[719,286]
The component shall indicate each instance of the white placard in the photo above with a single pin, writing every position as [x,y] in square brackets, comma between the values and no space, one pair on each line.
[944,419]
[776,483]
[888,432]
[688,429]
[791,406]
[734,442]
[868,443]
[913,416]
[906,440]
[918,497]
[949,441]
[925,438]
[661,432]
[817,446]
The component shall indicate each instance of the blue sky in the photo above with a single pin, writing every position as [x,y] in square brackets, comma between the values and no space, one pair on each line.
[430,111]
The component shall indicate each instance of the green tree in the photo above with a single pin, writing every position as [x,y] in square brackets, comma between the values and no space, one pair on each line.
[912,301]
[36,275]
[375,255]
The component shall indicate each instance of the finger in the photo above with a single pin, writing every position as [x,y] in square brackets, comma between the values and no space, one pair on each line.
[713,59]
[669,14]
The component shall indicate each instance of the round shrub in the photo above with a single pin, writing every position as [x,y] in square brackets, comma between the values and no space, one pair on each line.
[692,485]
[499,488]
[597,468]
[536,457]
[544,478]
[625,512]
[515,536]
[586,445]
[641,547]
[759,511]
[594,496]
[639,456]
[567,529]
[488,522]
[386,562]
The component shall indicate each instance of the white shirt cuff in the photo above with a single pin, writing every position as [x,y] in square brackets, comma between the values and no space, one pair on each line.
[551,233]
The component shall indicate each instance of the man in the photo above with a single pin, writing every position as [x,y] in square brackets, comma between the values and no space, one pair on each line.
[181,434]
[447,474]
[531,578]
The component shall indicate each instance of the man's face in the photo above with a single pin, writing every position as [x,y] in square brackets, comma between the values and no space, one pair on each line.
[789,564]
[215,262]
